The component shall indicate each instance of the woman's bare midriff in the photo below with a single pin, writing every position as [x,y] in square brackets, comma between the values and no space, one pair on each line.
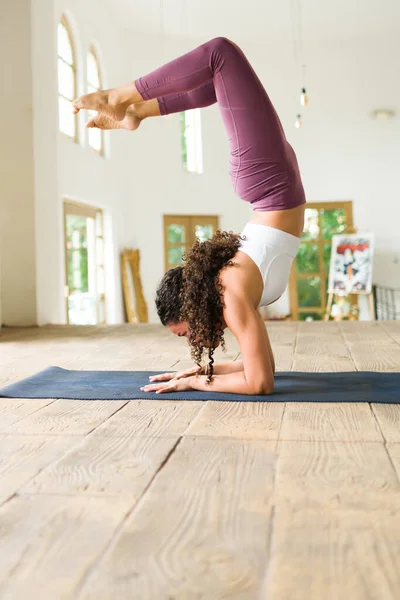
[290,220]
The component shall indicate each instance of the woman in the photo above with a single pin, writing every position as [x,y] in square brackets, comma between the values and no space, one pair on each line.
[224,280]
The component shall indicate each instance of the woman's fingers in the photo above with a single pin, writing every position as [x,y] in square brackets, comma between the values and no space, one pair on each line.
[158,388]
[167,388]
[162,377]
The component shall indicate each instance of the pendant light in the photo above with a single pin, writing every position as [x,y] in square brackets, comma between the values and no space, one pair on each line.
[298,122]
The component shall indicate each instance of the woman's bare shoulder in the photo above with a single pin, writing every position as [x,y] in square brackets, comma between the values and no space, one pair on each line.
[243,278]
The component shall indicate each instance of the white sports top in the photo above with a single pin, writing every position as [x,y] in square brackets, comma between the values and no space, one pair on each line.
[273,251]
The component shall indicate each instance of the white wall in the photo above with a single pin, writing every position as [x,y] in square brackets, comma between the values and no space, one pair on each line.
[17,270]
[342,153]
[81,173]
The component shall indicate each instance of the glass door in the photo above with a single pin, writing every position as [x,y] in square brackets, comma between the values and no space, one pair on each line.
[180,233]
[84,264]
[310,272]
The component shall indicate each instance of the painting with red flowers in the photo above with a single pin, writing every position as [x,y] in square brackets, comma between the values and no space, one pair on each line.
[351,264]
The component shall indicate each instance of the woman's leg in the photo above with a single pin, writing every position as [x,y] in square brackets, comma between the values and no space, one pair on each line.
[219,63]
[260,157]
[200,97]
[259,154]
[174,103]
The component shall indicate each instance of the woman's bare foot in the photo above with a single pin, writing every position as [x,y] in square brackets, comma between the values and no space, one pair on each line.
[112,103]
[131,121]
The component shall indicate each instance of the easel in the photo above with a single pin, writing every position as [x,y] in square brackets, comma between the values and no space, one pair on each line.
[353,296]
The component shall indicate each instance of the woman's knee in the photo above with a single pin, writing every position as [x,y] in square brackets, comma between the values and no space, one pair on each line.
[222,43]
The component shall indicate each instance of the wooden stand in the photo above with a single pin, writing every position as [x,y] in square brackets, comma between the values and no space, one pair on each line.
[349,316]
[135,304]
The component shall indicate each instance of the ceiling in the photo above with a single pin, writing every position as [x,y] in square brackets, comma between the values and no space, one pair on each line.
[259,20]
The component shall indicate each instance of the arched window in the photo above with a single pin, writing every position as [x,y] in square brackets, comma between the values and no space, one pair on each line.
[191,141]
[95,136]
[66,80]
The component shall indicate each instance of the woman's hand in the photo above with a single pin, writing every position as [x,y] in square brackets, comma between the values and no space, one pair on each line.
[174,385]
[177,375]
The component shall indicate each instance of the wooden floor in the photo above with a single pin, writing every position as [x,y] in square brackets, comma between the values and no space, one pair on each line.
[169,500]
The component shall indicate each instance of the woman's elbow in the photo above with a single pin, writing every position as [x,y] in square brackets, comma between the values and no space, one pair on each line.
[263,388]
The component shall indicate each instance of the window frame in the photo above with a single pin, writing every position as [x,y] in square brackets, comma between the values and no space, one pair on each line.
[71,207]
[65,23]
[189,223]
[92,50]
[295,309]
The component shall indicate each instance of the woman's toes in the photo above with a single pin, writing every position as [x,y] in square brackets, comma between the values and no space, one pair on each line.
[76,106]
[91,123]
[101,121]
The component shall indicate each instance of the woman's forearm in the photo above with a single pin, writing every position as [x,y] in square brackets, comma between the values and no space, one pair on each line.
[233,383]
[235,366]
[231,367]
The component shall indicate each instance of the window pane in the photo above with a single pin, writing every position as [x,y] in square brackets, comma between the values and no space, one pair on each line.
[191,141]
[309,291]
[327,256]
[77,254]
[66,80]
[175,255]
[307,259]
[183,140]
[204,232]
[311,226]
[176,233]
[92,71]
[332,221]
[66,118]
[315,316]
[64,44]
[95,138]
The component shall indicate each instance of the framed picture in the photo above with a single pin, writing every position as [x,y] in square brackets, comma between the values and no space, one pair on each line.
[350,269]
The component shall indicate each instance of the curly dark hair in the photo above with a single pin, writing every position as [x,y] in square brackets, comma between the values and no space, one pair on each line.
[194,293]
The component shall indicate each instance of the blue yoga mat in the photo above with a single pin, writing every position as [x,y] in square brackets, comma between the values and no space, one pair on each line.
[355,386]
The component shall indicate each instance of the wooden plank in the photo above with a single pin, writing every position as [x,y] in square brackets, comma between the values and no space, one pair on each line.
[14,373]
[283,342]
[363,331]
[394,453]
[392,329]
[335,473]
[75,417]
[48,543]
[243,420]
[282,334]
[283,356]
[342,421]
[22,457]
[334,553]
[320,347]
[200,531]
[371,348]
[304,362]
[151,418]
[14,409]
[104,466]
[388,417]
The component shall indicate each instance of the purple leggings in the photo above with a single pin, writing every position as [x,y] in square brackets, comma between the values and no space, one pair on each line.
[263,165]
